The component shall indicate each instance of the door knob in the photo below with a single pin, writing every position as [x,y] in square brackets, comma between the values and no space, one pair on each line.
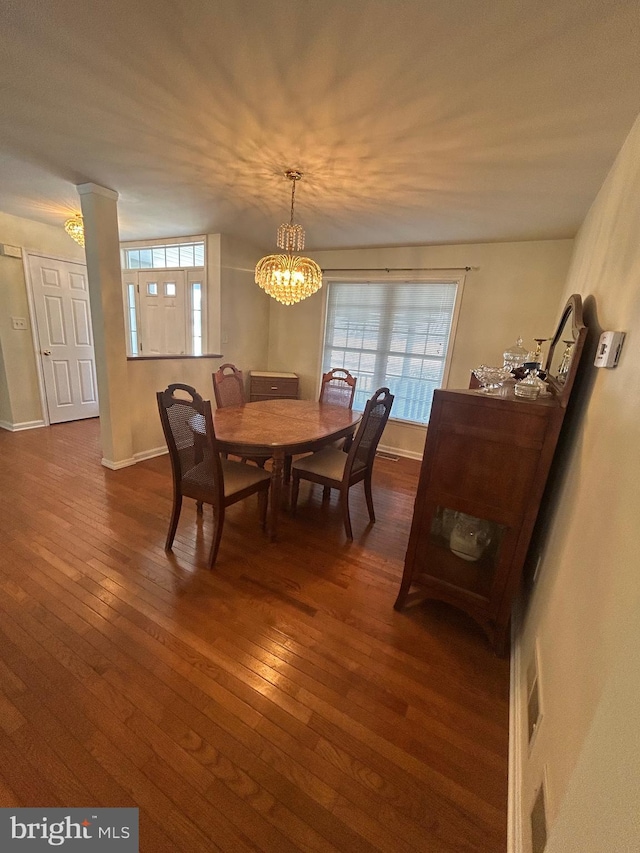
[46,352]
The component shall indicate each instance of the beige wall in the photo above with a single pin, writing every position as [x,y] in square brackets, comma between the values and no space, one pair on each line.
[238,311]
[243,325]
[514,291]
[584,609]
[6,417]
[147,377]
[19,394]
[244,317]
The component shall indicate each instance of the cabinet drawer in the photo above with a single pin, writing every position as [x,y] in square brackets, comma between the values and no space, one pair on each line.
[265,387]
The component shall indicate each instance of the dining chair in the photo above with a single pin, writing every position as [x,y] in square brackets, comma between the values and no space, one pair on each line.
[199,472]
[338,387]
[228,389]
[228,386]
[334,469]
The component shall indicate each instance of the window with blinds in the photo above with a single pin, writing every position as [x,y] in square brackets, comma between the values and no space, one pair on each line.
[393,334]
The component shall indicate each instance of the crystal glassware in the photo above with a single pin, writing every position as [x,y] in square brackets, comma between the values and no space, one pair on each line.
[515,356]
[491,378]
[565,362]
[527,388]
[469,537]
[531,386]
[537,356]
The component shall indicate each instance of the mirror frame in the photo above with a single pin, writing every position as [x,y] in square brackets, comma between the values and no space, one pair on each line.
[573,311]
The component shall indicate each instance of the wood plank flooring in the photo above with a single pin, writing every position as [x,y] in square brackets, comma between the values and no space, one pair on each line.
[278,703]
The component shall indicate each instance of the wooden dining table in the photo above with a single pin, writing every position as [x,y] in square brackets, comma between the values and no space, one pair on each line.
[281,428]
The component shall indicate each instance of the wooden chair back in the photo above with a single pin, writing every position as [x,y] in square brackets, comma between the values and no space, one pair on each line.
[187,424]
[338,387]
[198,469]
[370,429]
[228,386]
[332,468]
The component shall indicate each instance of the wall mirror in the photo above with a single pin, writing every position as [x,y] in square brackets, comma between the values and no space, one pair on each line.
[565,349]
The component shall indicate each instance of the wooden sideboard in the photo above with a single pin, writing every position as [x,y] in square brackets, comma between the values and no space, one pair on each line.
[485,466]
[265,385]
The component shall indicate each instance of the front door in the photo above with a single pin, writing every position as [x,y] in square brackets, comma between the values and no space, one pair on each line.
[63,318]
[163,321]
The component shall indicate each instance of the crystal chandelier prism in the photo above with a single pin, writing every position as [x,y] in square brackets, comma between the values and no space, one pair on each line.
[287,277]
[75,228]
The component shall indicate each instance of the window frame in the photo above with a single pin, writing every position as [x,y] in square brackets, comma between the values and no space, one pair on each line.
[150,245]
[457,279]
[193,275]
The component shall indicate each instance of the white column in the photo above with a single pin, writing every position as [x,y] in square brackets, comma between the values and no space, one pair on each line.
[102,247]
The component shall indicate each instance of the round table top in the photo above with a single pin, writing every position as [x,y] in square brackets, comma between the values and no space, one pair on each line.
[282,424]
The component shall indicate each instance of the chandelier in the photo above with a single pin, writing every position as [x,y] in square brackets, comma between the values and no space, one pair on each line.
[289,278]
[75,228]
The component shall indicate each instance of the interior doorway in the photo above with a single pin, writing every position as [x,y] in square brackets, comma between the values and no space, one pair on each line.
[64,338]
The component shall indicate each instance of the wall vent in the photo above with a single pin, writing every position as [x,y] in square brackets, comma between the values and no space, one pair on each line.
[538,822]
[534,709]
[384,455]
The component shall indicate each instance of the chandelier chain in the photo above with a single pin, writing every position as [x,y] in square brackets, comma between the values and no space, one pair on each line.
[294,178]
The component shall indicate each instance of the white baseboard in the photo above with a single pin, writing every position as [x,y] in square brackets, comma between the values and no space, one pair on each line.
[116,466]
[517,723]
[162,451]
[137,457]
[150,454]
[20,426]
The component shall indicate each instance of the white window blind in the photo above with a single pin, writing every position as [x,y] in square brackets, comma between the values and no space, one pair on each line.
[393,334]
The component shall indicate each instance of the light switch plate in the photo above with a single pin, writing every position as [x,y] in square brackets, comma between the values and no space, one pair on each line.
[19,323]
[609,348]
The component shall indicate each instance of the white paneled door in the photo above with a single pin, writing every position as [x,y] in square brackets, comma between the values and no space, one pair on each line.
[61,303]
[163,319]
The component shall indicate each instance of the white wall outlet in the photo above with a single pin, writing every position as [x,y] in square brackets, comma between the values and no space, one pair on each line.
[538,819]
[609,347]
[19,323]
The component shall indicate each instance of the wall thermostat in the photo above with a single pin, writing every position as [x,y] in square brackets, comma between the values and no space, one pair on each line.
[609,346]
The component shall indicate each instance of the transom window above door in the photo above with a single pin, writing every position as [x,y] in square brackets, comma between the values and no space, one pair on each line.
[163,257]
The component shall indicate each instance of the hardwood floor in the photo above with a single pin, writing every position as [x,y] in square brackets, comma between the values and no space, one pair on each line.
[278,703]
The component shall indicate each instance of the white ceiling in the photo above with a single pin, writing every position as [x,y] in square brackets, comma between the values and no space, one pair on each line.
[414,121]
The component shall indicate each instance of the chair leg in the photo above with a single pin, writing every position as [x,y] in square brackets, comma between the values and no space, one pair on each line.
[344,500]
[286,473]
[295,488]
[369,496]
[173,524]
[218,524]
[263,501]
[199,507]
[326,493]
